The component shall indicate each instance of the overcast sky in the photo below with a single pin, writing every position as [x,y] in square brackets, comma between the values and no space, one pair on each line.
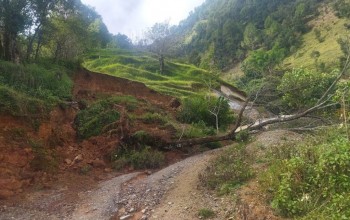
[132,17]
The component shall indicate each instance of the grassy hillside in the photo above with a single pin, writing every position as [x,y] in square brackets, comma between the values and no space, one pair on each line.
[330,28]
[31,90]
[179,79]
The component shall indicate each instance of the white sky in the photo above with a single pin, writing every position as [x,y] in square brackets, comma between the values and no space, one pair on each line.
[132,17]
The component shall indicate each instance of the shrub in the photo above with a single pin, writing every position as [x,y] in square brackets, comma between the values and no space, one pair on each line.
[91,121]
[227,171]
[142,137]
[19,104]
[213,145]
[155,118]
[302,87]
[196,109]
[206,213]
[145,158]
[198,130]
[50,83]
[314,180]
[243,136]
[43,160]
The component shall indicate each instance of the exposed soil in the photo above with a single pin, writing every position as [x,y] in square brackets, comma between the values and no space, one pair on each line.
[77,181]
[51,156]
[89,84]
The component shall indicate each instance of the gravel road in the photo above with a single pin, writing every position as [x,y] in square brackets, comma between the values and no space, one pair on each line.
[131,196]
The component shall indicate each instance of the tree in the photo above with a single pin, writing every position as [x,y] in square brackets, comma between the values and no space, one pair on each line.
[71,29]
[302,87]
[61,28]
[121,41]
[14,18]
[159,37]
[261,62]
[325,100]
[251,37]
[40,14]
[99,35]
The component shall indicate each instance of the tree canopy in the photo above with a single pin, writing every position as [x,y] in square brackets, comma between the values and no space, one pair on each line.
[59,29]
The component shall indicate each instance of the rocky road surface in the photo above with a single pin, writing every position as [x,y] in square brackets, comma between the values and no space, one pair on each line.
[131,196]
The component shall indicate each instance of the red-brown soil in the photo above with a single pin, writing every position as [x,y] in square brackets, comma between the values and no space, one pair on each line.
[60,159]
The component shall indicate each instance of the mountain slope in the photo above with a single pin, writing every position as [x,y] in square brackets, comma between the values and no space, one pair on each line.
[223,32]
[178,80]
[320,46]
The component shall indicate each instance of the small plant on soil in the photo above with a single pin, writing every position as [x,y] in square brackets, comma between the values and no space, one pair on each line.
[227,171]
[144,158]
[154,118]
[206,213]
[44,160]
[85,169]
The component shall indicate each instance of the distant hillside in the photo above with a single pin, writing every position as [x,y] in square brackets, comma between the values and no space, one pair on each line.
[320,49]
[178,80]
[222,33]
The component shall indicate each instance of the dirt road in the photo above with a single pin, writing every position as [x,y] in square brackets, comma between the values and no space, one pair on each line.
[172,193]
[131,196]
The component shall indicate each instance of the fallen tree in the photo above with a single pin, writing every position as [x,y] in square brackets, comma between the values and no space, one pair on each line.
[322,103]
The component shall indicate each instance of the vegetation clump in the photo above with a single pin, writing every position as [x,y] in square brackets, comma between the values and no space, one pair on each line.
[311,180]
[144,158]
[213,112]
[44,159]
[206,213]
[33,89]
[303,87]
[92,120]
[227,171]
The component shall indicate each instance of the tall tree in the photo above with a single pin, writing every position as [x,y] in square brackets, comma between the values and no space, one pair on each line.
[121,41]
[158,35]
[14,19]
[40,11]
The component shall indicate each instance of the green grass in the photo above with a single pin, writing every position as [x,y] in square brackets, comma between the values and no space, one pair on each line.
[31,90]
[206,213]
[93,120]
[311,179]
[228,171]
[331,28]
[19,104]
[145,158]
[179,80]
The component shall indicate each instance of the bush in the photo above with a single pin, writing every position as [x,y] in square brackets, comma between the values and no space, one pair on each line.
[154,118]
[199,129]
[302,87]
[227,171]
[19,104]
[142,137]
[196,109]
[206,213]
[50,83]
[146,158]
[91,121]
[43,160]
[313,181]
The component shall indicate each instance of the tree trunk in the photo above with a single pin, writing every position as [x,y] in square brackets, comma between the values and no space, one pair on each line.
[7,47]
[38,47]
[1,48]
[161,64]
[31,41]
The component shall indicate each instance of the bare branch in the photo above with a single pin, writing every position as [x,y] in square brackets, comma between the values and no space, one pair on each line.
[345,68]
